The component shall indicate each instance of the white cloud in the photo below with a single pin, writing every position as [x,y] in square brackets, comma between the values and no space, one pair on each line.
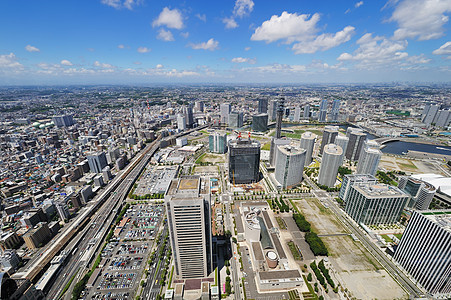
[103,65]
[243,8]
[65,62]
[159,66]
[211,45]
[30,48]
[118,4]
[358,4]
[143,50]
[185,34]
[121,46]
[9,61]
[324,41]
[202,17]
[230,23]
[165,35]
[169,18]
[247,48]
[291,27]
[241,60]
[444,49]
[421,19]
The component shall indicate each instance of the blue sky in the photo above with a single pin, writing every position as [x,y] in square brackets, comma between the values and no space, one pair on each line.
[241,41]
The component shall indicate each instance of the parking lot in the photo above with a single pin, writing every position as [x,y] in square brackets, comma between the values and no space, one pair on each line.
[116,281]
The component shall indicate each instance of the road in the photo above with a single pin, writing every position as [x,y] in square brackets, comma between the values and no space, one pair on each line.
[390,266]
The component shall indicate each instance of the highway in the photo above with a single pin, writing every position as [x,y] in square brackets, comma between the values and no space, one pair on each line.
[390,266]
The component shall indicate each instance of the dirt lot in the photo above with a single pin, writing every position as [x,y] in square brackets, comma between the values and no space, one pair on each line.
[407,165]
[213,158]
[352,265]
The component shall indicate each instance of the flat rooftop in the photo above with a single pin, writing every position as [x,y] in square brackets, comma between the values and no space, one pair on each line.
[189,184]
[279,275]
[440,217]
[379,190]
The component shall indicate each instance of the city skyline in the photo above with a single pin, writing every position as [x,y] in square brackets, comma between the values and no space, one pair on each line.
[144,42]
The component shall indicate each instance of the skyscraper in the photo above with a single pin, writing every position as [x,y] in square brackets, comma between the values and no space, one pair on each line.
[335,110]
[181,122]
[306,111]
[236,119]
[260,122]
[420,191]
[330,162]
[63,120]
[218,142]
[244,160]
[429,118]
[329,135]
[272,110]
[369,158]
[273,149]
[280,109]
[375,204]
[342,141]
[424,251]
[200,106]
[189,220]
[308,140]
[262,106]
[97,161]
[442,118]
[297,114]
[349,180]
[189,118]
[322,115]
[289,166]
[356,138]
[225,109]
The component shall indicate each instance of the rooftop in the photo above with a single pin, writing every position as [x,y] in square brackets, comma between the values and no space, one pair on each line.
[440,217]
[189,183]
[371,190]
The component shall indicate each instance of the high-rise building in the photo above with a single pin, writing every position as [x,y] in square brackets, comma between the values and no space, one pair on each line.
[63,120]
[308,140]
[289,166]
[218,142]
[421,192]
[189,219]
[225,111]
[306,114]
[350,180]
[236,119]
[181,122]
[335,110]
[356,139]
[330,162]
[280,109]
[272,110]
[262,106]
[429,118]
[244,161]
[369,158]
[200,106]
[443,118]
[272,150]
[342,141]
[97,161]
[297,114]
[260,122]
[375,204]
[189,118]
[329,135]
[322,115]
[63,211]
[424,251]
[425,111]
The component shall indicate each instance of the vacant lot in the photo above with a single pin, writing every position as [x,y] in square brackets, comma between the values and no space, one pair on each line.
[352,265]
[390,163]
[211,158]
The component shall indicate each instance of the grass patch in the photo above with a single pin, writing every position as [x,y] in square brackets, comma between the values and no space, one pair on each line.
[407,165]
[398,235]
[266,146]
[317,132]
[386,238]
[170,278]
[294,250]
[281,223]
[199,160]
[66,287]
[310,288]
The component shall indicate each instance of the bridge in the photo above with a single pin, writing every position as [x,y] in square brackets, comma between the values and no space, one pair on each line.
[385,140]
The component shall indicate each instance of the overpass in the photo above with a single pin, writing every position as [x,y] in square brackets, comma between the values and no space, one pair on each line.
[385,140]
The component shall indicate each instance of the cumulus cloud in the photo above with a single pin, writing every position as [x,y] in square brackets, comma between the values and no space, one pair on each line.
[202,17]
[118,4]
[230,23]
[165,35]
[171,18]
[243,8]
[121,46]
[9,61]
[103,65]
[143,49]
[421,19]
[241,60]
[159,66]
[444,49]
[324,41]
[247,48]
[211,45]
[30,48]
[65,62]
[358,4]
[287,26]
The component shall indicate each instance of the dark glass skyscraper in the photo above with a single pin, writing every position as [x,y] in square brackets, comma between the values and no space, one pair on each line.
[244,161]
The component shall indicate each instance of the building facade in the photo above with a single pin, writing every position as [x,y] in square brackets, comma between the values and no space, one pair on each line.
[260,122]
[350,180]
[356,139]
[330,162]
[289,166]
[218,142]
[330,133]
[308,140]
[225,110]
[97,161]
[236,119]
[369,158]
[244,161]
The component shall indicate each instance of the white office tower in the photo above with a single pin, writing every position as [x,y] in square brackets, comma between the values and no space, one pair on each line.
[272,112]
[200,106]
[369,158]
[330,162]
[335,110]
[375,204]
[421,191]
[350,180]
[188,208]
[297,114]
[306,111]
[429,118]
[181,122]
[329,135]
[225,110]
[289,166]
[342,141]
[273,150]
[322,115]
[425,251]
[308,140]
[442,118]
